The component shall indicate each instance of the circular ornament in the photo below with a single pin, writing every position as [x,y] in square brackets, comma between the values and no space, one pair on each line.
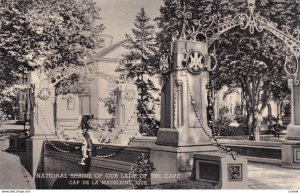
[44,93]
[195,62]
[291,65]
[130,94]
[165,63]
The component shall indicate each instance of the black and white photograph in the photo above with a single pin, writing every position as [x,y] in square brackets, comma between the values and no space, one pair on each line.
[149,94]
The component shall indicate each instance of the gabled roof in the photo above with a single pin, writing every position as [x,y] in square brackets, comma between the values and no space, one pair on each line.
[106,51]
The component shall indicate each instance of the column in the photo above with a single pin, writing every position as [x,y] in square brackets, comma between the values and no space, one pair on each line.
[182,92]
[126,113]
[43,110]
[291,146]
[183,131]
[42,125]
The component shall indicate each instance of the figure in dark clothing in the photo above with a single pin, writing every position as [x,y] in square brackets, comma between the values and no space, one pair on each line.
[277,127]
[84,123]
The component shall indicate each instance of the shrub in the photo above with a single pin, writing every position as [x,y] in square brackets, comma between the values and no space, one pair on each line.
[222,126]
[242,120]
[141,172]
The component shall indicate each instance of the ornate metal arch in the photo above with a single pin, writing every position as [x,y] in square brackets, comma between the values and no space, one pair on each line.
[210,30]
[109,78]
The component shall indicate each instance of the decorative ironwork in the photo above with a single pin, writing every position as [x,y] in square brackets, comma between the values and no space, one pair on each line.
[210,29]
[195,62]
[291,65]
[109,78]
[165,63]
[215,62]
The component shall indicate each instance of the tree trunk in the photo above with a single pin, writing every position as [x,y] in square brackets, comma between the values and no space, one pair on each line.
[252,124]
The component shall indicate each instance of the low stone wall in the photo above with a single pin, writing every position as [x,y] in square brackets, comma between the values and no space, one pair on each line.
[143,142]
[245,137]
[110,165]
[256,151]
[266,152]
[60,168]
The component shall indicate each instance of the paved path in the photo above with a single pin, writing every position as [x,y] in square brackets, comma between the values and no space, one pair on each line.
[12,173]
[266,176]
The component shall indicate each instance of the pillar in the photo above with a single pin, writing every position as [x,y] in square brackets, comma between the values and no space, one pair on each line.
[42,115]
[42,124]
[181,134]
[291,146]
[126,113]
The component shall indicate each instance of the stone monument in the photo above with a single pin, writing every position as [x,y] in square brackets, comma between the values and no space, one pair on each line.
[291,146]
[42,122]
[126,112]
[184,130]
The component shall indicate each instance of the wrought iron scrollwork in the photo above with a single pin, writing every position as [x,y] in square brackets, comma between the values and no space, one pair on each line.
[213,65]
[210,29]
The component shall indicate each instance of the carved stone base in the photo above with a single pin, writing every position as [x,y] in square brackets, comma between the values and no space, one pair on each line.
[34,150]
[293,132]
[291,154]
[173,164]
[221,170]
[183,137]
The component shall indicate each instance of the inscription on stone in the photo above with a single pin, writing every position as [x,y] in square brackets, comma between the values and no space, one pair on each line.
[209,171]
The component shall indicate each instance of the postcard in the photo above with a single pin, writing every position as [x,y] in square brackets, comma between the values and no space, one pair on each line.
[161,94]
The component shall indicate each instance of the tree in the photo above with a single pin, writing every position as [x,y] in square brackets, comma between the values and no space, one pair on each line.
[54,38]
[140,63]
[15,43]
[256,58]
[254,65]
[255,62]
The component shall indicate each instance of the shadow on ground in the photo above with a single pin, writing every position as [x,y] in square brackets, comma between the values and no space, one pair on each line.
[20,154]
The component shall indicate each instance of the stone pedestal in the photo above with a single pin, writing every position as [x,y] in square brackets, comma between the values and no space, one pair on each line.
[291,146]
[291,154]
[34,150]
[183,137]
[17,142]
[184,130]
[173,164]
[126,113]
[221,170]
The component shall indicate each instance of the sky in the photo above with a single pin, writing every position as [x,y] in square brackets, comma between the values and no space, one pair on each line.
[118,15]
